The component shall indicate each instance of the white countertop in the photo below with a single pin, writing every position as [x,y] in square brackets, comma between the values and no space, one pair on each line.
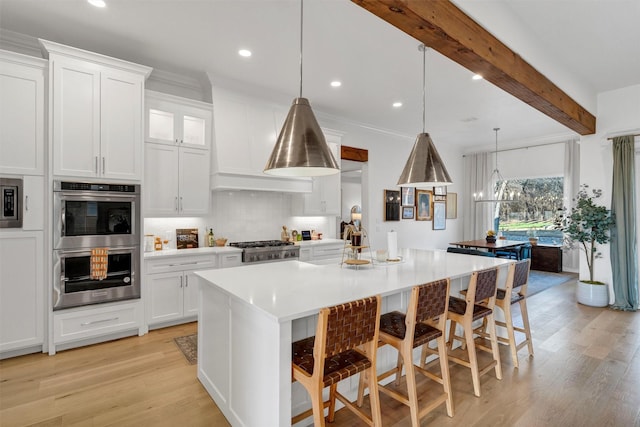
[190,252]
[293,289]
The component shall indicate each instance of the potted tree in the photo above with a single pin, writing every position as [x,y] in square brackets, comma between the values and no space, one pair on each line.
[587,225]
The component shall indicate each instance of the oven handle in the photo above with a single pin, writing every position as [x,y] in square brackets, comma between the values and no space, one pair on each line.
[81,278]
[119,250]
[95,195]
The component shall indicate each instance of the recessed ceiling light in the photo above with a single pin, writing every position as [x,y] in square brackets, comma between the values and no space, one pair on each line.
[477,77]
[244,52]
[336,83]
[97,3]
[397,104]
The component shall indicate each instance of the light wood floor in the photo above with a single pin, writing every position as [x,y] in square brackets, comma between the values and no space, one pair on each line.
[586,372]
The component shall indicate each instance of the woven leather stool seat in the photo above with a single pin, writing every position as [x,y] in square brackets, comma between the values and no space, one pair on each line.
[459,306]
[515,292]
[424,322]
[500,295]
[345,344]
[394,324]
[336,368]
[480,298]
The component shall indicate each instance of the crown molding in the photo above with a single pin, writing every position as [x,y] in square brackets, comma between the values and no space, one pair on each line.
[18,42]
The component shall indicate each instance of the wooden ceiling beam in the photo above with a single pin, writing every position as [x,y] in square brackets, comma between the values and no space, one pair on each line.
[442,26]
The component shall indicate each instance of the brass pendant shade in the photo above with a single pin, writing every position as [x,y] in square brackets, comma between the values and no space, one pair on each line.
[424,167]
[301,149]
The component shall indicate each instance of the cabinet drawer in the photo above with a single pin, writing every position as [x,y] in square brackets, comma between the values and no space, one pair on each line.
[230,260]
[166,265]
[326,252]
[92,322]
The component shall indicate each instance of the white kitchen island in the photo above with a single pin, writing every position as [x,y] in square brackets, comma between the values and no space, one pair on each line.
[250,315]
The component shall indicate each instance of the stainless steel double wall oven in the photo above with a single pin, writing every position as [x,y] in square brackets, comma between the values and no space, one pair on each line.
[90,216]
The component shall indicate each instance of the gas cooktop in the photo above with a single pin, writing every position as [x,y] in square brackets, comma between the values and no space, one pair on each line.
[260,244]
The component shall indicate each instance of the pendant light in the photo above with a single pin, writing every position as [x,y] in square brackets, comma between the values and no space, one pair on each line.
[495,178]
[301,149]
[424,167]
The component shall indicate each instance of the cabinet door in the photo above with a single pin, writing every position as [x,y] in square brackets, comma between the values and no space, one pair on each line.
[33,203]
[195,124]
[160,122]
[121,126]
[160,190]
[21,290]
[166,296]
[191,289]
[194,181]
[21,118]
[76,119]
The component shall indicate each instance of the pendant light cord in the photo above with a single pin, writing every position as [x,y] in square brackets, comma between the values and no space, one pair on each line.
[424,87]
[301,32]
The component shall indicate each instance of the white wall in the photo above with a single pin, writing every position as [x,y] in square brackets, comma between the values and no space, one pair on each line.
[618,114]
[351,196]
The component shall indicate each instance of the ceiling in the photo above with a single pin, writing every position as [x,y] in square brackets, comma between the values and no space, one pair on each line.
[595,43]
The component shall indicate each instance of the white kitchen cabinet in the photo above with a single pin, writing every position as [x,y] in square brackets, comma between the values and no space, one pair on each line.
[172,287]
[324,198]
[177,121]
[96,114]
[22,88]
[176,181]
[96,322]
[245,134]
[317,250]
[33,203]
[21,290]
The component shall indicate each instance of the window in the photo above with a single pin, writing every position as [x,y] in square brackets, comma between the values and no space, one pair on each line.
[532,208]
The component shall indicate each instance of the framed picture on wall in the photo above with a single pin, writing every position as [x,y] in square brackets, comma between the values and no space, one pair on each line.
[424,199]
[440,191]
[408,212]
[391,205]
[439,215]
[408,196]
[452,205]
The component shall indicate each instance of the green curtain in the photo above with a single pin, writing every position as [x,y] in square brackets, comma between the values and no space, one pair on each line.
[624,258]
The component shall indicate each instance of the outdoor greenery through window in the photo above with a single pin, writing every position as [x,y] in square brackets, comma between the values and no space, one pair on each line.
[534,209]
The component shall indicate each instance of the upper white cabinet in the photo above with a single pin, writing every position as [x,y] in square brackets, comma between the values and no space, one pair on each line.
[177,121]
[176,181]
[96,113]
[324,199]
[22,86]
[177,156]
[245,134]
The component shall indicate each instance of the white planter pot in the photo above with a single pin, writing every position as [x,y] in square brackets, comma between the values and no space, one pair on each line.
[592,295]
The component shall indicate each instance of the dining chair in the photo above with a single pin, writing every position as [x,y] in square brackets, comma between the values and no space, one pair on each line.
[479,301]
[345,344]
[424,322]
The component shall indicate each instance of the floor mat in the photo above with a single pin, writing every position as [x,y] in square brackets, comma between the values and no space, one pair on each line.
[542,280]
[188,345]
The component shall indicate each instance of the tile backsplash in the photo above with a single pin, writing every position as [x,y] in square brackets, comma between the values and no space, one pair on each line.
[243,216]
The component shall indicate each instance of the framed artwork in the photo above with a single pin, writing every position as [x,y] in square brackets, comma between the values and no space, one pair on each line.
[424,199]
[408,212]
[391,205]
[439,215]
[408,196]
[440,191]
[452,205]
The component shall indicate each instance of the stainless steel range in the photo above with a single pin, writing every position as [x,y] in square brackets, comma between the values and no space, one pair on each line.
[267,250]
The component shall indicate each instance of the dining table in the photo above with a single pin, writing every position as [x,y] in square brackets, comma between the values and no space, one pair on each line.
[497,245]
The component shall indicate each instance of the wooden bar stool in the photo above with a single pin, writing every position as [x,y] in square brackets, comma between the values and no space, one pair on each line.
[515,292]
[345,344]
[479,301]
[425,321]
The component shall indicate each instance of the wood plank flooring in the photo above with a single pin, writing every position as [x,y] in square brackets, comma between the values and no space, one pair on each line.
[586,372]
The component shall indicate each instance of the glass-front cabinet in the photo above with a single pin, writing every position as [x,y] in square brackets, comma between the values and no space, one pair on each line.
[177,121]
